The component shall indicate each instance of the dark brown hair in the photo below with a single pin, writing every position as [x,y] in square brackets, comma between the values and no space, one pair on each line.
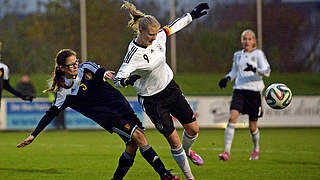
[57,78]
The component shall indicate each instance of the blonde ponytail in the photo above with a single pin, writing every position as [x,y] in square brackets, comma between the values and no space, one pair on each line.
[139,20]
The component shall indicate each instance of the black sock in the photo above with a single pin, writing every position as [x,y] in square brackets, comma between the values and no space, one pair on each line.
[153,159]
[125,162]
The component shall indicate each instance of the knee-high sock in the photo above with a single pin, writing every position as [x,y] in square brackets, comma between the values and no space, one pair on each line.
[181,158]
[187,141]
[228,136]
[255,139]
[153,159]
[125,162]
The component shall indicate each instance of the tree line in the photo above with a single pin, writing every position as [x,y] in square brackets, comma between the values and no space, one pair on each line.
[31,41]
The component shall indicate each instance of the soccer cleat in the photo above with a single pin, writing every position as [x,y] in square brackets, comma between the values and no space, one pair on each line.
[169,176]
[254,155]
[195,158]
[225,156]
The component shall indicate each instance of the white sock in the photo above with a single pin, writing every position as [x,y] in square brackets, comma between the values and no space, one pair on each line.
[187,141]
[228,136]
[255,139]
[181,158]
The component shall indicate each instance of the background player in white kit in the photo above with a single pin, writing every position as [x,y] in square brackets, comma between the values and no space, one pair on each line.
[146,69]
[4,82]
[249,66]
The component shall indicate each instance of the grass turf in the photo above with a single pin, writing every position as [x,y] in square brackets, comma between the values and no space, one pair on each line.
[285,154]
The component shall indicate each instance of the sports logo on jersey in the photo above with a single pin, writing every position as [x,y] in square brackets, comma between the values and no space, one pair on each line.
[160,47]
[88,76]
[127,127]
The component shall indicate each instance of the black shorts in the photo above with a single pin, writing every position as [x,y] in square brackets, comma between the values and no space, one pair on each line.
[124,126]
[165,104]
[247,102]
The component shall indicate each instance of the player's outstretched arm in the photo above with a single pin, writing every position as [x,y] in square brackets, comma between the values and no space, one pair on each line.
[26,142]
[183,21]
[8,87]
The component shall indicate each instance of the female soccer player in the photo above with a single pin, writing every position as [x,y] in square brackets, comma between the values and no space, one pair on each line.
[249,66]
[145,68]
[83,87]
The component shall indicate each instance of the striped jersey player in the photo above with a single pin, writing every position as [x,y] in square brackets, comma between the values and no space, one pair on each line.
[83,87]
[145,68]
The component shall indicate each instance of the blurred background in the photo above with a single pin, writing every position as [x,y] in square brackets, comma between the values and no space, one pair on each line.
[33,31]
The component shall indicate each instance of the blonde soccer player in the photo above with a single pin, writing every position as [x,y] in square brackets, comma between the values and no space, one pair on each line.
[248,68]
[145,68]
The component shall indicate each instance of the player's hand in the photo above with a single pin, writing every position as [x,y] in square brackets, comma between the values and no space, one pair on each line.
[27,98]
[223,82]
[199,10]
[250,68]
[26,142]
[131,79]
[108,75]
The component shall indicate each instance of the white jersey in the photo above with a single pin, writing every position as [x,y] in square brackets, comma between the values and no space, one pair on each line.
[150,63]
[4,71]
[249,80]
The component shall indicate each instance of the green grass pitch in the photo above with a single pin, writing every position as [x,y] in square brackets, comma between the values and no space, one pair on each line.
[85,155]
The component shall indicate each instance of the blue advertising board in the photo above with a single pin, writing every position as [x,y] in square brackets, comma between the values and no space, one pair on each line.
[26,115]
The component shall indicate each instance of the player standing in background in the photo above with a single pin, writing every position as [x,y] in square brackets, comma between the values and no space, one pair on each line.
[249,66]
[4,82]
[145,68]
[83,87]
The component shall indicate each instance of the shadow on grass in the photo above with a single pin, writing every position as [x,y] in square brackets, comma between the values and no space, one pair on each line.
[297,162]
[45,171]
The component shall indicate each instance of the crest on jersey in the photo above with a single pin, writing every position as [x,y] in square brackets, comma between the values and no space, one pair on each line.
[127,126]
[88,76]
[160,47]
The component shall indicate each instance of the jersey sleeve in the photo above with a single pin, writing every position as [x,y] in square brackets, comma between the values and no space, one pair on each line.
[124,72]
[90,65]
[234,70]
[128,66]
[95,68]
[5,72]
[263,65]
[59,99]
[46,119]
[175,26]
[58,105]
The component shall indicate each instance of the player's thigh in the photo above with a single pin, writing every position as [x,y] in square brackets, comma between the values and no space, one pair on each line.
[125,126]
[237,101]
[181,110]
[253,106]
[159,115]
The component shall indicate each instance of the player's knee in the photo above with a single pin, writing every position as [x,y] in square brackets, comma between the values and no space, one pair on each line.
[131,149]
[139,137]
[138,134]
[192,131]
